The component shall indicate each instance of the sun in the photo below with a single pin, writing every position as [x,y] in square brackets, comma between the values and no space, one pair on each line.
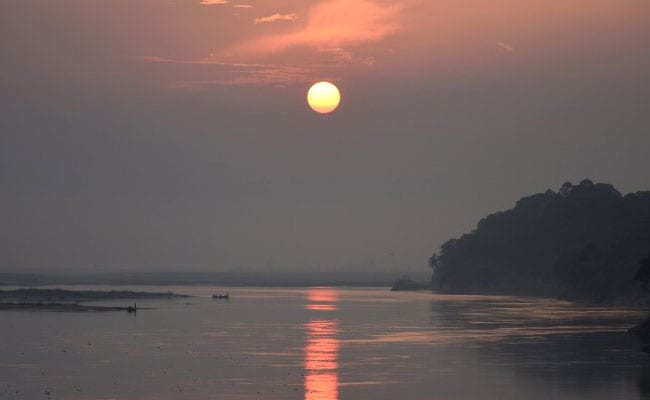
[323,97]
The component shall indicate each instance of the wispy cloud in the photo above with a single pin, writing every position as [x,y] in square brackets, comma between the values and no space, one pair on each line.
[505,47]
[224,2]
[330,24]
[331,37]
[213,2]
[276,17]
[205,73]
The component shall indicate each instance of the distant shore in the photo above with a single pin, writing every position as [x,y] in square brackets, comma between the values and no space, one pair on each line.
[74,307]
[68,300]
[243,278]
[410,285]
[38,294]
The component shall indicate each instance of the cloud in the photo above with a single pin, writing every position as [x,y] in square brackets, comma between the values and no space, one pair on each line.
[203,74]
[331,36]
[505,47]
[213,2]
[277,17]
[329,24]
[222,2]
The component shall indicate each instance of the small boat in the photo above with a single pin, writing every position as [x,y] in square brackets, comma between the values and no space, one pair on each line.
[221,296]
[132,309]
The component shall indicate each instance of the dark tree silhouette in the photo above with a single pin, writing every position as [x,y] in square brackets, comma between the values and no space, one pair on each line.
[433,264]
[566,188]
[433,261]
[584,241]
[643,275]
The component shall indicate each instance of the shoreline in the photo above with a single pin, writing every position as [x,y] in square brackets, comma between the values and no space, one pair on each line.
[61,300]
[66,295]
[58,307]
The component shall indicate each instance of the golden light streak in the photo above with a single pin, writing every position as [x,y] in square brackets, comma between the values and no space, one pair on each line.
[321,350]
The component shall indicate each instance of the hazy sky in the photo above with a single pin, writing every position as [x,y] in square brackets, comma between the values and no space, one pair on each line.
[174,134]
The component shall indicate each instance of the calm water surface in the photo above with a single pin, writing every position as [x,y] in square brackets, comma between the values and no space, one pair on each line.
[324,344]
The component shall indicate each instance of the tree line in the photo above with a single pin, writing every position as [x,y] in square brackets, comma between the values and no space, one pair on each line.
[585,241]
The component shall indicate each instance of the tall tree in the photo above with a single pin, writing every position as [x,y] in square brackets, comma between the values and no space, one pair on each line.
[644,273]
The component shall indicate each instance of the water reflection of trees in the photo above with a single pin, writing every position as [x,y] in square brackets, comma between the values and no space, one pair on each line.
[563,347]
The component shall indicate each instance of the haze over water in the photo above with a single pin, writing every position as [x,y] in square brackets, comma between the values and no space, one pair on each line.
[325,344]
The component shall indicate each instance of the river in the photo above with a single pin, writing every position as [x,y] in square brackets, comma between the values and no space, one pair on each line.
[324,344]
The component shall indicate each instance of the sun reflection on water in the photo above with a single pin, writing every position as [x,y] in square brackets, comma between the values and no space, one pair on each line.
[321,349]
[322,299]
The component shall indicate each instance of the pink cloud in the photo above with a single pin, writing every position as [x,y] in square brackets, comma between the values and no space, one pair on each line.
[330,36]
[277,17]
[330,24]
[503,46]
[213,2]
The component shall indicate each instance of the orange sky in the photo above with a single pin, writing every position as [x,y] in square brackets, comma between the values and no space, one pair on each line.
[284,42]
[198,44]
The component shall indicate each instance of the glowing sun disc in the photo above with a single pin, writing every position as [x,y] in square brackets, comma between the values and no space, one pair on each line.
[323,97]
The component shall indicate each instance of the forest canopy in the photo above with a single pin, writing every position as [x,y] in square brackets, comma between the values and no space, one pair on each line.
[584,241]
